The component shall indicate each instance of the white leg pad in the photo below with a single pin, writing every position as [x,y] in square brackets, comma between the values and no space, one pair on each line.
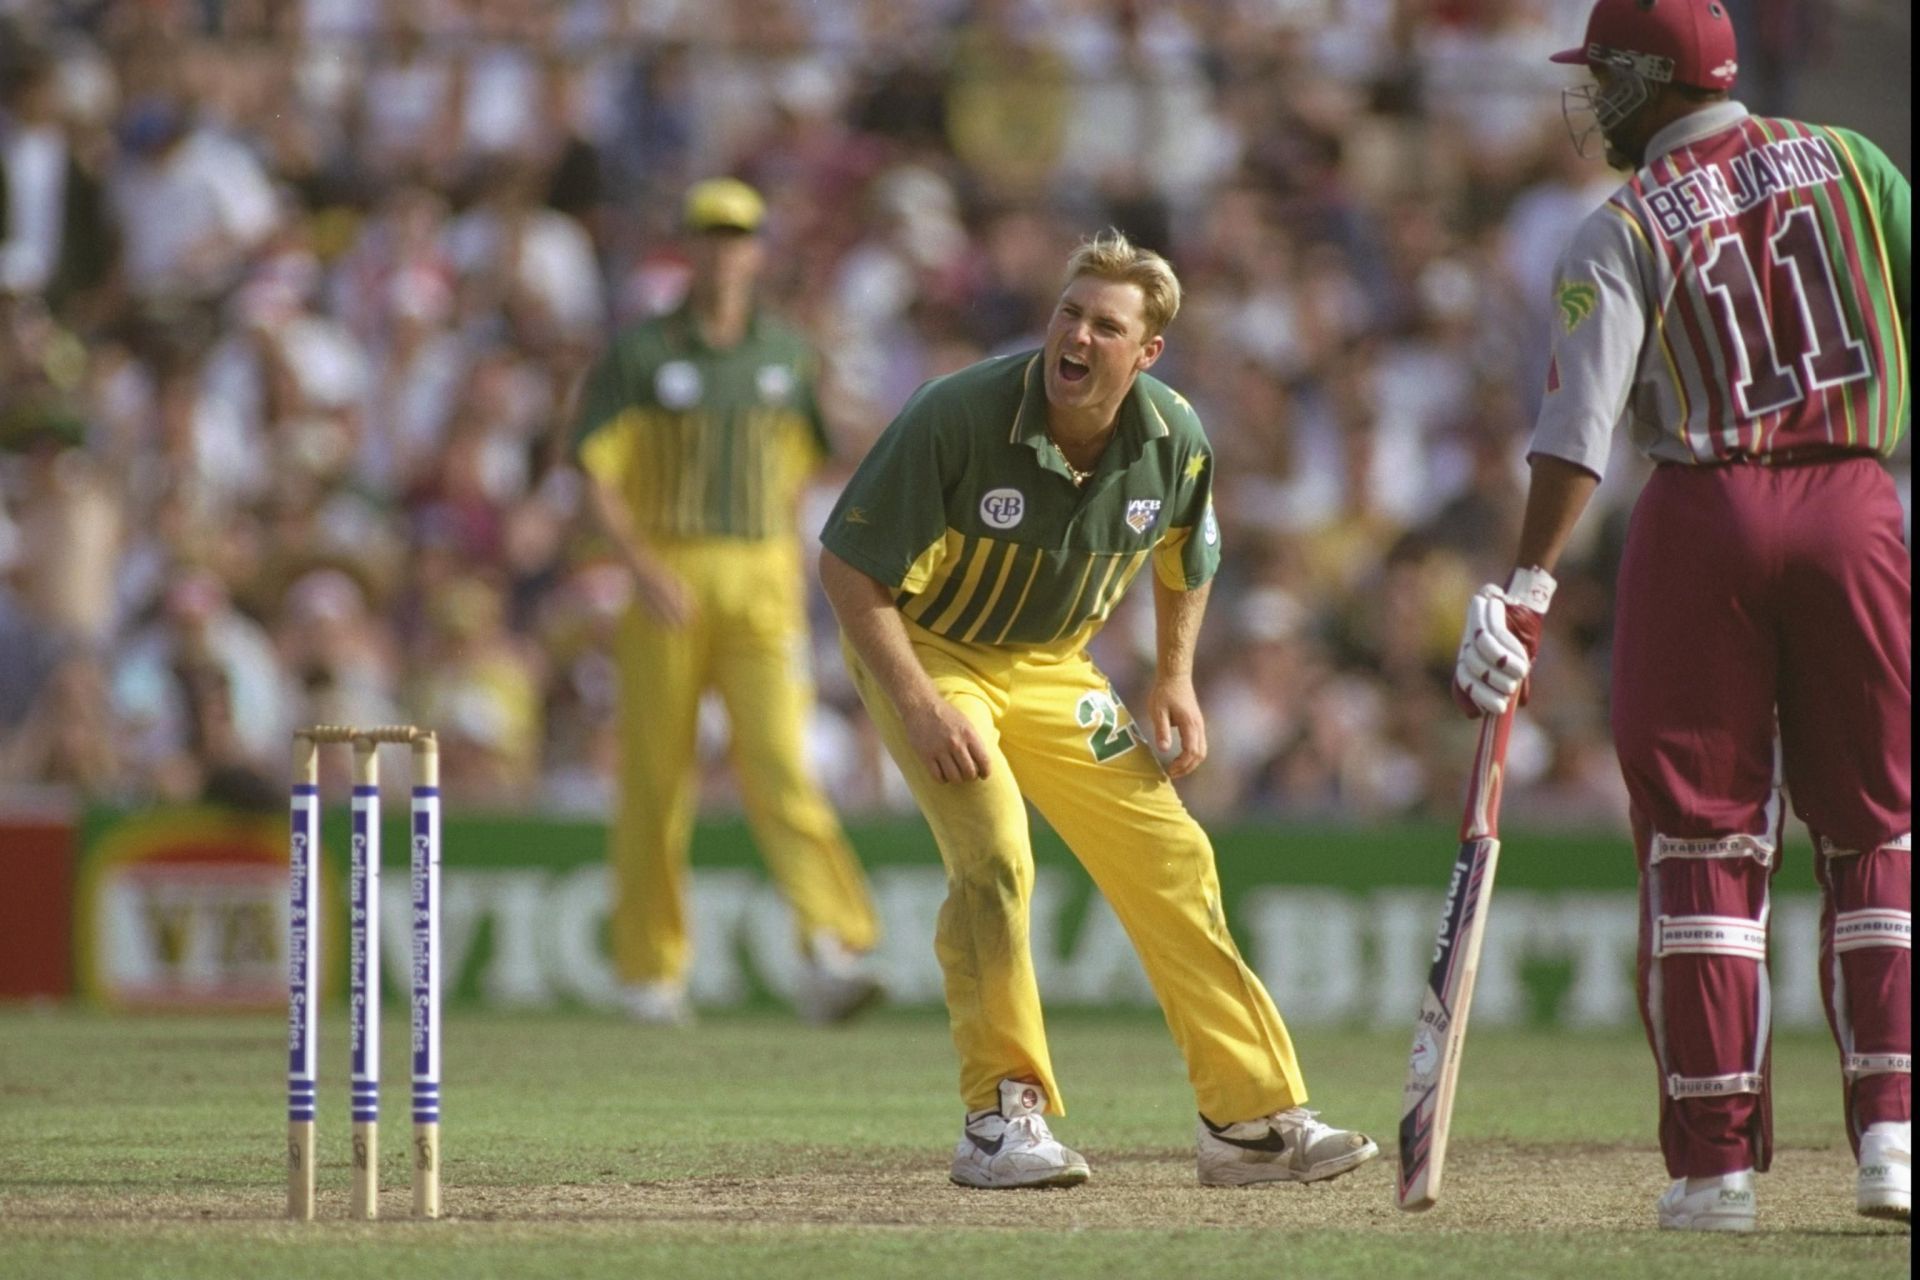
[1710,936]
[1902,843]
[1714,1086]
[1759,848]
[1873,927]
[1878,1064]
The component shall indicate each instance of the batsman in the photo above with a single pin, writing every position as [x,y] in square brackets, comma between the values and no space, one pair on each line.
[982,543]
[1740,306]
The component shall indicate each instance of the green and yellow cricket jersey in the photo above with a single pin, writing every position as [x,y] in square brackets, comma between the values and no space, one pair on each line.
[702,442]
[965,509]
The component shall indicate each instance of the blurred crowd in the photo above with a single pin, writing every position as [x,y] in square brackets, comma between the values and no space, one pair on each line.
[294,297]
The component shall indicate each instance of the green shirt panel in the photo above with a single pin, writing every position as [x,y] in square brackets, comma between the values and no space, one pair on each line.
[1889,265]
[703,442]
[1892,195]
[964,508]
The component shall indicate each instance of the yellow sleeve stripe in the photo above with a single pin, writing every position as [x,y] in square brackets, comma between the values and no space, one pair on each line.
[606,454]
[1167,566]
[921,574]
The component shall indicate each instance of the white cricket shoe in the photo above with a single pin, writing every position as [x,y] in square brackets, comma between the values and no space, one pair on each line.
[1287,1146]
[836,983]
[657,1004]
[1886,1171]
[1724,1202]
[1012,1147]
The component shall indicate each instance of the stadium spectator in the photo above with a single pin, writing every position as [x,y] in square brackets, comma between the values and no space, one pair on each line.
[198,689]
[191,204]
[56,237]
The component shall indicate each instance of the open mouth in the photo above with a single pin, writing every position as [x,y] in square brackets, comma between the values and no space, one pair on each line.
[1072,370]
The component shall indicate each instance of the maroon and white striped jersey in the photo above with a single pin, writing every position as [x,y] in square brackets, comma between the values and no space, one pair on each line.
[1743,296]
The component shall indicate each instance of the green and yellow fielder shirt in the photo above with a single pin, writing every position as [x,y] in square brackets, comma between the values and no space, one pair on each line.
[702,442]
[965,509]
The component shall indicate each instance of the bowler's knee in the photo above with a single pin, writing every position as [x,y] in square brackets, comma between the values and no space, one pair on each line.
[987,876]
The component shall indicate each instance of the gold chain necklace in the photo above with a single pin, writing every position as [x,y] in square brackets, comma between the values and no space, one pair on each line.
[1074,473]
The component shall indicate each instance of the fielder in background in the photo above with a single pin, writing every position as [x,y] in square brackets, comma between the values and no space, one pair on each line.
[697,431]
[979,547]
[1740,304]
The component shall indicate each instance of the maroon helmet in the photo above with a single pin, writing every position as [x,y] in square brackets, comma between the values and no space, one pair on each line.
[1643,43]
[1666,41]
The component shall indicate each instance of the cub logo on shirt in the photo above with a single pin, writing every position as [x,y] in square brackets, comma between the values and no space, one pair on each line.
[1002,508]
[1141,513]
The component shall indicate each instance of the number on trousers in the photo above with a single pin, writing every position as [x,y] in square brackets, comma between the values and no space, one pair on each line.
[1800,263]
[1109,738]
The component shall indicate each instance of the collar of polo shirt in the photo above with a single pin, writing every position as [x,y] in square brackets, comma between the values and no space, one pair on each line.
[683,332]
[1138,422]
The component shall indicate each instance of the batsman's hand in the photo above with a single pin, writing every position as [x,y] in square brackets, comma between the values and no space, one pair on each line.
[946,742]
[1172,706]
[1500,642]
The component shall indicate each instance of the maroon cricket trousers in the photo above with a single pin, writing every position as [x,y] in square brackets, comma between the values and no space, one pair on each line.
[1764,635]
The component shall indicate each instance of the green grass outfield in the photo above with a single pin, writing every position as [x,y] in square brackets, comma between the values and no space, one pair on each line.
[750,1146]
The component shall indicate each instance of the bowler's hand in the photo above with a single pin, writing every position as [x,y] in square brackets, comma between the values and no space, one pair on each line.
[1172,705]
[666,599]
[946,741]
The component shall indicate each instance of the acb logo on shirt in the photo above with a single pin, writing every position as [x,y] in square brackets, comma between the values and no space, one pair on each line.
[1002,508]
[1141,513]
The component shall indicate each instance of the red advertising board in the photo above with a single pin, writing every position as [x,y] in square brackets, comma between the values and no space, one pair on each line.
[185,908]
[37,852]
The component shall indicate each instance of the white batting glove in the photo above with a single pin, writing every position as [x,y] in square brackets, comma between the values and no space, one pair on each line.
[1499,642]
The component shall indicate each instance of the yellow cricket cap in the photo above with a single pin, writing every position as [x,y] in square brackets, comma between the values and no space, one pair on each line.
[723,204]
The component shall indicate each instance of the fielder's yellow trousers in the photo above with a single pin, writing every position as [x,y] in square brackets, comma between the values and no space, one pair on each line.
[748,641]
[1057,736]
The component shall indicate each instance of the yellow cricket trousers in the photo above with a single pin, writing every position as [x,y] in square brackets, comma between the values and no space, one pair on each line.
[1057,736]
[748,640]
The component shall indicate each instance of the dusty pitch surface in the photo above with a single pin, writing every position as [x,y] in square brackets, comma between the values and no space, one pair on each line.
[1492,1187]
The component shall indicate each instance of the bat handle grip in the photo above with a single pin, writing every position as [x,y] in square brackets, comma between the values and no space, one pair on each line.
[1481,820]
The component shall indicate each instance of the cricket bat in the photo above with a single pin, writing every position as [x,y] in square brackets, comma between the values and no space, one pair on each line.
[1439,1034]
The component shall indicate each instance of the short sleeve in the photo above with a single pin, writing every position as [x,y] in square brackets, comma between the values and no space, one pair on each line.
[1600,322]
[1188,554]
[603,395]
[891,520]
[603,398]
[811,372]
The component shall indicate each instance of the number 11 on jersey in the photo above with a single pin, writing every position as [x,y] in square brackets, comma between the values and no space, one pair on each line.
[1433,1068]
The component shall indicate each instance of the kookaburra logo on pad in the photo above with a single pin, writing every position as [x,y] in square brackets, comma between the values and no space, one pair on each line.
[1141,513]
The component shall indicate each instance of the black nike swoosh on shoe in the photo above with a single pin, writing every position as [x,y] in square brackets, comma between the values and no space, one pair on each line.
[1273,1143]
[990,1148]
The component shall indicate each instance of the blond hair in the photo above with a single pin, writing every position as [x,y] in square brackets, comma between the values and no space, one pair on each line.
[1111,256]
